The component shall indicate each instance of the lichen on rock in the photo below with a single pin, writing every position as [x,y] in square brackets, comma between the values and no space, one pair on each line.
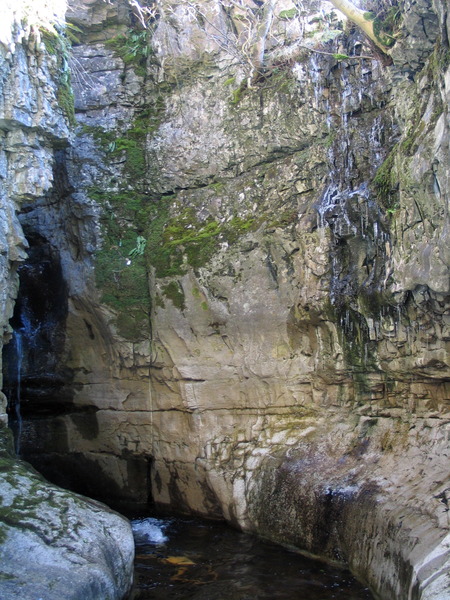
[56,544]
[257,279]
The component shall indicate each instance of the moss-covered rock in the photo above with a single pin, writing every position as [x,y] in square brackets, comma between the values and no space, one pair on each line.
[44,530]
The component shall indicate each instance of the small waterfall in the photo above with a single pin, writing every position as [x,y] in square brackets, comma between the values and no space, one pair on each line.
[149,530]
[15,414]
[23,339]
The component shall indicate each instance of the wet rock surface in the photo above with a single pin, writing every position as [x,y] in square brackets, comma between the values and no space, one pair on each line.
[257,285]
[53,543]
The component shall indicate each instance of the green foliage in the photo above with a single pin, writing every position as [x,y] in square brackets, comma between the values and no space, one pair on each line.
[183,233]
[238,93]
[341,56]
[385,181]
[130,145]
[165,260]
[174,292]
[237,226]
[133,48]
[175,242]
[288,14]
[134,154]
[71,33]
[391,21]
[66,100]
[124,284]
[183,236]
[51,40]
[386,25]
[123,210]
[58,44]
[120,265]
[139,249]
[382,36]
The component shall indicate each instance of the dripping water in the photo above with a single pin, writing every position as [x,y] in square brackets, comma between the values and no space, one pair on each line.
[16,417]
[23,339]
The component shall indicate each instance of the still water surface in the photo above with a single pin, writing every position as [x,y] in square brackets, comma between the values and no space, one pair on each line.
[180,559]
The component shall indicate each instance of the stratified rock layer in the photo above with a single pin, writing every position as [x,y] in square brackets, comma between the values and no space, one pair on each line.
[53,544]
[263,334]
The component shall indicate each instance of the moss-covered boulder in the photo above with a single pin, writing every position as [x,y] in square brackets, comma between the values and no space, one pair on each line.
[55,544]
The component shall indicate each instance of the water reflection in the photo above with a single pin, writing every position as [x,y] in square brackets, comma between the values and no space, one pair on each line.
[199,560]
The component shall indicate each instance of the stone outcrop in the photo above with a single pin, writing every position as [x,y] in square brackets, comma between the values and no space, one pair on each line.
[258,283]
[53,543]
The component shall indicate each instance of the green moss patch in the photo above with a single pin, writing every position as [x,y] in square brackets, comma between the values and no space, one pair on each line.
[130,144]
[174,292]
[120,266]
[133,48]
[66,99]
[386,25]
[58,44]
[288,14]
[175,242]
[386,182]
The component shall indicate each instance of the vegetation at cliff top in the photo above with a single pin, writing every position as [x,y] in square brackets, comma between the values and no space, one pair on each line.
[253,27]
[34,13]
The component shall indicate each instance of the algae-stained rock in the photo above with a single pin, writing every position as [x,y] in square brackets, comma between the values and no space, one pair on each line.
[55,544]
[298,369]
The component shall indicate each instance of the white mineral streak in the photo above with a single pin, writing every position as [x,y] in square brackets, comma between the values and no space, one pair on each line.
[244,399]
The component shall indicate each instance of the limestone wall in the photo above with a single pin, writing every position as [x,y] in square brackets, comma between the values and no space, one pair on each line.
[258,283]
[44,530]
[30,122]
[300,349]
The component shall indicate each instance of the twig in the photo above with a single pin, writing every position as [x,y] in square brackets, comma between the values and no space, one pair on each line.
[337,54]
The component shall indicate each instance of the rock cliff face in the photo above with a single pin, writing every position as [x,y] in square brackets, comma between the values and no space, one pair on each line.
[257,283]
[53,543]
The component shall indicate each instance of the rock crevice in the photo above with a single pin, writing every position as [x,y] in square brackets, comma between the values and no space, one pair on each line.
[257,279]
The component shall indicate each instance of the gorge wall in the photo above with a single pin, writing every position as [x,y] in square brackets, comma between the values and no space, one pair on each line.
[53,543]
[252,280]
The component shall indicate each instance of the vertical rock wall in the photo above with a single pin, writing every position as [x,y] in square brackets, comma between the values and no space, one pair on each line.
[31,125]
[258,283]
[300,287]
[82,381]
[44,531]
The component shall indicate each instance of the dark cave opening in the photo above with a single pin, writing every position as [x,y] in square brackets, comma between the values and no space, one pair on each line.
[35,378]
[53,433]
